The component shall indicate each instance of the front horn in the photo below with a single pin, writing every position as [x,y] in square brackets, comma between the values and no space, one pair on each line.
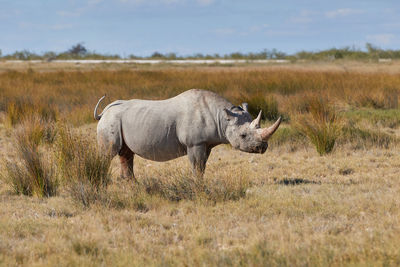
[267,132]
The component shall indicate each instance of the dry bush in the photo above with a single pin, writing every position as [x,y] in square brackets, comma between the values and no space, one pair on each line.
[386,98]
[34,174]
[319,124]
[84,169]
[37,130]
[22,109]
[391,98]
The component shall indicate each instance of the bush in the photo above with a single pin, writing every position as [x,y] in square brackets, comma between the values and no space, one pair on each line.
[269,107]
[362,138]
[319,125]
[34,174]
[85,170]
[289,136]
[391,98]
[22,109]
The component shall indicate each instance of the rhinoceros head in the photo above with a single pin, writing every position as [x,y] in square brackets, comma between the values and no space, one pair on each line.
[245,134]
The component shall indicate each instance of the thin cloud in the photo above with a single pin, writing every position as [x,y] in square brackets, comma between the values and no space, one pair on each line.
[224,31]
[305,16]
[76,13]
[252,30]
[381,39]
[205,2]
[43,27]
[60,27]
[342,12]
[167,2]
[152,2]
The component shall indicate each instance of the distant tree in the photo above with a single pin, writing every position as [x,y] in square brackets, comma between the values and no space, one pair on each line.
[157,55]
[371,48]
[171,56]
[198,55]
[275,54]
[24,55]
[77,50]
[236,55]
[373,51]
[50,55]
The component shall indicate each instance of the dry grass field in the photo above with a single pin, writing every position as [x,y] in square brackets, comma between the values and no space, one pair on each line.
[290,206]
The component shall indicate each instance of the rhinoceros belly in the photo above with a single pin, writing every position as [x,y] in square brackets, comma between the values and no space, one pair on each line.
[157,150]
[152,135]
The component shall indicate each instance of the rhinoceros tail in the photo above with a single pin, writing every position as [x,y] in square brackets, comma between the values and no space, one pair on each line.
[98,117]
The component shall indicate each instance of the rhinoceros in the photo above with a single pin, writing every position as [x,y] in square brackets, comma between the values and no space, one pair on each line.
[191,123]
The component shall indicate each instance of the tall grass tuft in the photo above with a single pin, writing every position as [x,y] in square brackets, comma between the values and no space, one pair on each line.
[84,169]
[34,174]
[319,124]
[38,130]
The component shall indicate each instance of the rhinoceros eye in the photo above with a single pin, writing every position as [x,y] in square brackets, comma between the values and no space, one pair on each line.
[243,136]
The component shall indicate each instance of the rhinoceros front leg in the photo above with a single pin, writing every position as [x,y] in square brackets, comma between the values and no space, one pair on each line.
[198,156]
[126,159]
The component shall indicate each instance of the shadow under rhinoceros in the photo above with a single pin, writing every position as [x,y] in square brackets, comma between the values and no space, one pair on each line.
[295,181]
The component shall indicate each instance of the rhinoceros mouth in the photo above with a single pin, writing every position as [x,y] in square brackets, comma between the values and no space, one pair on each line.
[259,149]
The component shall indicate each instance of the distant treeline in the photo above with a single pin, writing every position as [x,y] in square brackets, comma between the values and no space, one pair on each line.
[79,51]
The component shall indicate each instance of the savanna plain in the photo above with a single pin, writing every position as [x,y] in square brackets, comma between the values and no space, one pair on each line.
[326,192]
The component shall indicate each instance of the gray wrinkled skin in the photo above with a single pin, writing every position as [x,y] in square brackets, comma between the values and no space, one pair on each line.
[191,123]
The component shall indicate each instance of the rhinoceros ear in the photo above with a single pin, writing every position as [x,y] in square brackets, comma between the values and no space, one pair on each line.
[229,115]
[245,107]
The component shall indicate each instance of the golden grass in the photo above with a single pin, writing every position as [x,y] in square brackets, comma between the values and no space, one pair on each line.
[73,95]
[327,217]
[289,206]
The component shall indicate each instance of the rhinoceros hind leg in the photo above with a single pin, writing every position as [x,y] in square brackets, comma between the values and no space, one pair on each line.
[126,158]
[198,156]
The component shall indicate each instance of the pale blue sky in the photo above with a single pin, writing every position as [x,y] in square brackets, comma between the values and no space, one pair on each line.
[186,27]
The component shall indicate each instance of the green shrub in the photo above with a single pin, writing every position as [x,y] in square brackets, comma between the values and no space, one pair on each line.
[376,117]
[287,135]
[362,138]
[319,125]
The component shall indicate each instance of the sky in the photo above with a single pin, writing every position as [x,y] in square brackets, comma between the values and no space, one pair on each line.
[187,27]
